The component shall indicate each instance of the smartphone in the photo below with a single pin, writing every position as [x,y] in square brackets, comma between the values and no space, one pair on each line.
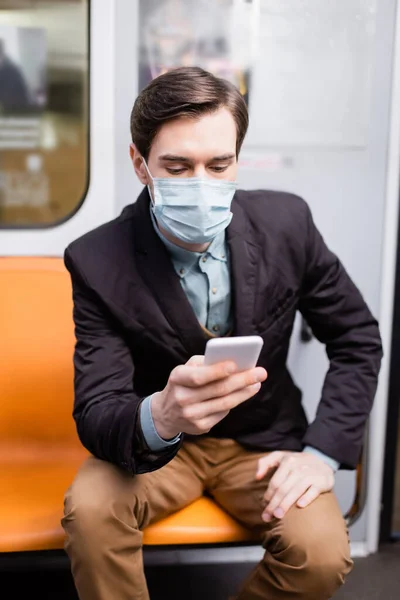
[242,350]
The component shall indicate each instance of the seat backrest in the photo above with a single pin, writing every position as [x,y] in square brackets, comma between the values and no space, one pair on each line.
[36,349]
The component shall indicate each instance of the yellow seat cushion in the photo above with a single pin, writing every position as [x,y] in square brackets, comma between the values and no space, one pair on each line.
[202,522]
[32,487]
[31,508]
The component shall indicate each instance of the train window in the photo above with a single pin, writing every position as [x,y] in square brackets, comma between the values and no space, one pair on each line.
[44,63]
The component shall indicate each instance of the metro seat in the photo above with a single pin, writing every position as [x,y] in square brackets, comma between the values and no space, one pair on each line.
[39,448]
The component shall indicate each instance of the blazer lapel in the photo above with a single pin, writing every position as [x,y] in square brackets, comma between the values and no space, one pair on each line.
[244,256]
[157,270]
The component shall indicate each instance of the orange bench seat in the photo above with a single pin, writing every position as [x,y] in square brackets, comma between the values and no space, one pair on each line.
[32,499]
[39,449]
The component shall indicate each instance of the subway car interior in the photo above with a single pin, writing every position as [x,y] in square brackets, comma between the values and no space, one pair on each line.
[321,80]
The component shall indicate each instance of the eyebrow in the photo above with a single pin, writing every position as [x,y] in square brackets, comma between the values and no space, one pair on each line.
[176,158]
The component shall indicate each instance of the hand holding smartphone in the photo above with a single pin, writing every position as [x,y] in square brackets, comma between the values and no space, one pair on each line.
[194,401]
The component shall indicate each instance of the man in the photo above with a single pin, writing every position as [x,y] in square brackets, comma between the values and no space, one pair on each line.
[150,288]
[14,93]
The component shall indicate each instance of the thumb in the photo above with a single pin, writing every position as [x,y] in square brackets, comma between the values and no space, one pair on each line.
[268,462]
[196,361]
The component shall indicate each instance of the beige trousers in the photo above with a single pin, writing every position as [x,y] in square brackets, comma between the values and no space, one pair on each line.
[306,553]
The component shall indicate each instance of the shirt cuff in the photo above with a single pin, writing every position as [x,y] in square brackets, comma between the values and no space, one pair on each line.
[331,462]
[153,440]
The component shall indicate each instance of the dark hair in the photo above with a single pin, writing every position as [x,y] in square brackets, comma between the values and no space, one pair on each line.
[189,92]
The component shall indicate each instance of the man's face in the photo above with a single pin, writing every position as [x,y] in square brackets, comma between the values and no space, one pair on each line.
[203,147]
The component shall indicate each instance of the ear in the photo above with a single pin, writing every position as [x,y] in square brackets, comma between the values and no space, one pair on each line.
[138,165]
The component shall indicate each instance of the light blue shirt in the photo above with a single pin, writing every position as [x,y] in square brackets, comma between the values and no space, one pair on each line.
[205,278]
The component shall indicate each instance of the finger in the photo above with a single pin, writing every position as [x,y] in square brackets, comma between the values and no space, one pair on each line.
[291,497]
[229,385]
[284,489]
[202,410]
[268,462]
[280,476]
[209,422]
[311,494]
[190,375]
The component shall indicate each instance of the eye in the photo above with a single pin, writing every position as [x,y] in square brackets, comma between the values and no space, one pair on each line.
[219,169]
[175,171]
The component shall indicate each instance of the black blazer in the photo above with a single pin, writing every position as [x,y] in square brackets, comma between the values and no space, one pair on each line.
[134,324]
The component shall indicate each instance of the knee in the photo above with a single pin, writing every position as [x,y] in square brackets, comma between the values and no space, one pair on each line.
[91,514]
[316,555]
[328,563]
[93,506]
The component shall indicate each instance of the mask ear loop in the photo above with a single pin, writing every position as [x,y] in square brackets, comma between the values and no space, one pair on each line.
[151,177]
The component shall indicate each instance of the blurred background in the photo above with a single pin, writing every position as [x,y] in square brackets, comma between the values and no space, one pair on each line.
[321,79]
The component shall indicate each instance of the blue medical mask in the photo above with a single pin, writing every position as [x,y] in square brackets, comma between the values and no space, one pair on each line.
[192,209]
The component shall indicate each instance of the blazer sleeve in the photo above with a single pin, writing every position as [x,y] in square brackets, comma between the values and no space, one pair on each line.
[106,407]
[339,318]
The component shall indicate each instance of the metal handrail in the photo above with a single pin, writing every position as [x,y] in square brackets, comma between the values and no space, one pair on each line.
[360,496]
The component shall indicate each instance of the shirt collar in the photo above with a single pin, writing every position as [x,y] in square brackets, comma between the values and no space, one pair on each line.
[217,248]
